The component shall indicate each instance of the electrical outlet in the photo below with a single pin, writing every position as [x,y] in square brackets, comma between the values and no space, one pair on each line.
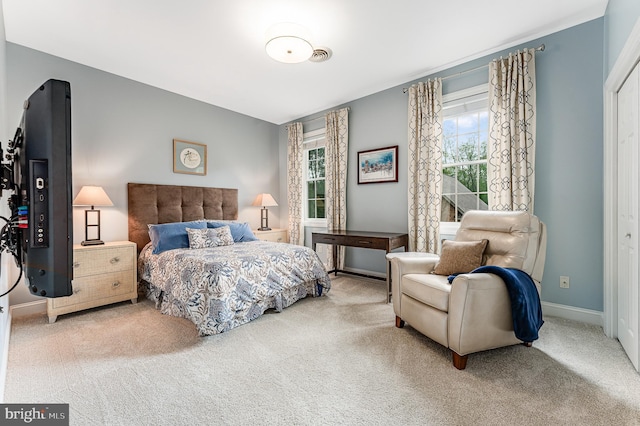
[564,282]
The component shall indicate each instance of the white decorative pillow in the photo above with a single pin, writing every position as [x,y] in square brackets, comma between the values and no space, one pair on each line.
[209,237]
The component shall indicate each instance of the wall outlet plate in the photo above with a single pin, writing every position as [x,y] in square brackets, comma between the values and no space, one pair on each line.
[564,282]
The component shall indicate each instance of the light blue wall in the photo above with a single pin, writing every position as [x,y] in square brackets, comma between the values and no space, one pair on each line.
[569,171]
[122,131]
[619,20]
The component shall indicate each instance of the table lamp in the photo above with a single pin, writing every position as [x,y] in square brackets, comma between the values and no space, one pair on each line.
[92,196]
[264,201]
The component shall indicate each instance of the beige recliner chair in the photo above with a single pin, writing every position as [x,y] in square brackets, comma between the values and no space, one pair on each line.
[473,313]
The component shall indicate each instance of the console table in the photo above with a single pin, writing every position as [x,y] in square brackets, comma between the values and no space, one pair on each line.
[387,241]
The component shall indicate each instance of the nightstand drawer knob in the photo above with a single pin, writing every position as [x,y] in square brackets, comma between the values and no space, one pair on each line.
[115,260]
[115,284]
[76,290]
[76,264]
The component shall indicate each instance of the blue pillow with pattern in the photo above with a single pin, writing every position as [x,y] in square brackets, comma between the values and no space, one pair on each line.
[240,231]
[168,236]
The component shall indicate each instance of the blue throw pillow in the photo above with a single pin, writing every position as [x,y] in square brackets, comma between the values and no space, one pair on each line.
[240,231]
[167,236]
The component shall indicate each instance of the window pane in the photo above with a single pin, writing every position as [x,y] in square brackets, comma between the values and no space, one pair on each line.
[468,147]
[448,149]
[464,143]
[311,190]
[312,173]
[483,177]
[320,168]
[320,204]
[319,189]
[312,209]
[449,127]
[448,211]
[468,176]
[483,120]
[321,153]
[312,154]
[483,146]
[468,123]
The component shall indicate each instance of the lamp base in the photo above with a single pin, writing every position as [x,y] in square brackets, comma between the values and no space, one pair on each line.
[91,243]
[264,229]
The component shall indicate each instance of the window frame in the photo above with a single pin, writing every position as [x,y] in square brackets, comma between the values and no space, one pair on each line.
[312,140]
[452,101]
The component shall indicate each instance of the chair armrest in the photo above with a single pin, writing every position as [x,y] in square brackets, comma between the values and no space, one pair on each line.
[408,265]
[479,314]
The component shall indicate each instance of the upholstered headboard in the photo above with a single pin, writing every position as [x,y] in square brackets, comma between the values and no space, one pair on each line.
[151,204]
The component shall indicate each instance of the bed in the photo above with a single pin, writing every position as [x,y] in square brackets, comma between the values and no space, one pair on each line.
[229,278]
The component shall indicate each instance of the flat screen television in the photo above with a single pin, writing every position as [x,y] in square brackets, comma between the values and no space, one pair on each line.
[42,184]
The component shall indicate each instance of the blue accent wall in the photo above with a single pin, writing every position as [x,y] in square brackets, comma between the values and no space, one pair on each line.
[569,169]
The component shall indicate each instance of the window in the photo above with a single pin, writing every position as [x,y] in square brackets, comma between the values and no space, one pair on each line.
[314,193]
[464,146]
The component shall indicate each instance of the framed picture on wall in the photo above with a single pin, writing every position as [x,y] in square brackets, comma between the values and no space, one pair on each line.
[189,157]
[378,165]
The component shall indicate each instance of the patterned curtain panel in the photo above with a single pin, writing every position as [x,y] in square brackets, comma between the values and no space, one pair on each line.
[512,132]
[295,182]
[425,165]
[336,162]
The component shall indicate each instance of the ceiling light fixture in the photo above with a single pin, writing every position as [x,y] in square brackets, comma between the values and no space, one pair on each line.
[288,42]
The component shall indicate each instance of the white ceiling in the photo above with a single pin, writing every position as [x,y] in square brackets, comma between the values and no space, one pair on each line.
[213,50]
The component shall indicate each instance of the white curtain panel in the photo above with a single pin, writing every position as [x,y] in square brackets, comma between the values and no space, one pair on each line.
[512,132]
[425,165]
[336,165]
[295,182]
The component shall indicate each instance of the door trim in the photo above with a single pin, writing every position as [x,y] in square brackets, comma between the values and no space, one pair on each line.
[626,62]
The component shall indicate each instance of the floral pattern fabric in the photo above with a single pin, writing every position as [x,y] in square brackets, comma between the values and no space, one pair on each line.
[223,287]
[209,237]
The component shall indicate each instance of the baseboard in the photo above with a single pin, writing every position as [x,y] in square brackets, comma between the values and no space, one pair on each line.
[365,272]
[572,313]
[29,308]
[4,362]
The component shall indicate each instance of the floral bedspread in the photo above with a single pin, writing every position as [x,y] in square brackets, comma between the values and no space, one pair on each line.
[223,287]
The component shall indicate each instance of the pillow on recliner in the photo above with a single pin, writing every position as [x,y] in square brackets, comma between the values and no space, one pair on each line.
[460,257]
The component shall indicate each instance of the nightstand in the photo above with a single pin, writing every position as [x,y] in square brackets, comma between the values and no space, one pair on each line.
[102,275]
[275,235]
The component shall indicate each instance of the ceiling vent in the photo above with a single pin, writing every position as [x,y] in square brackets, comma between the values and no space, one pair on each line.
[320,54]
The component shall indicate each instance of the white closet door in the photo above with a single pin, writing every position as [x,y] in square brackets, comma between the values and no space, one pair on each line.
[628,160]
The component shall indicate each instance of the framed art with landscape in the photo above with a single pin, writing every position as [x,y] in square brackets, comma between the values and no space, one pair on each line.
[378,165]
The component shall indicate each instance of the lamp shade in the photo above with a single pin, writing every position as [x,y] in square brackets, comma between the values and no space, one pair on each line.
[92,196]
[288,43]
[264,200]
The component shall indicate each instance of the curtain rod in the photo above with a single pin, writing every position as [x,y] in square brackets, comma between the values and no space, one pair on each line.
[537,49]
[321,118]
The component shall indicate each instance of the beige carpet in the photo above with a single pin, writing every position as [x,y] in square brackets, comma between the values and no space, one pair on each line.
[333,360]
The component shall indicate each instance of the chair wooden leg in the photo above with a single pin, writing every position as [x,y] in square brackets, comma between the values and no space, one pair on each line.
[399,322]
[459,361]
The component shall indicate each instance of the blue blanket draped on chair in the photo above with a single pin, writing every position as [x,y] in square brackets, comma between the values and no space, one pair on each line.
[525,300]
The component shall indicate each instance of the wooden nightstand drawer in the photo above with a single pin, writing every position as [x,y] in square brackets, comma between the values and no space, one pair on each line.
[274,235]
[101,275]
[97,287]
[98,261]
[80,295]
